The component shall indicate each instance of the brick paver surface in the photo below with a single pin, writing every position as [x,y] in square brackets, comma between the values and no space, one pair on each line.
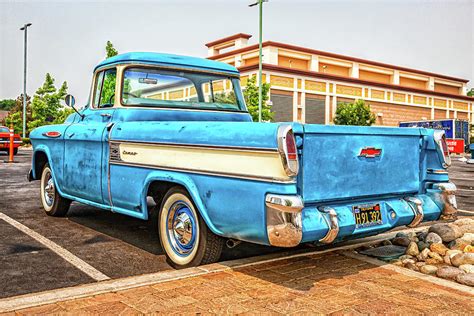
[329,283]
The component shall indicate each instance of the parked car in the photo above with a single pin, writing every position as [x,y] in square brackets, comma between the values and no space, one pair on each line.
[176,129]
[5,140]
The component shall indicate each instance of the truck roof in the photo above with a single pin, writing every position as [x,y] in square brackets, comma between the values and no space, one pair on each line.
[169,60]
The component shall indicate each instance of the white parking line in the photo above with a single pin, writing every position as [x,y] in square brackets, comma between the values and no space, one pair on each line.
[63,253]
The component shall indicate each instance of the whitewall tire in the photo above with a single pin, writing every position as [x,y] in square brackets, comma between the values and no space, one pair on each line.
[53,203]
[184,236]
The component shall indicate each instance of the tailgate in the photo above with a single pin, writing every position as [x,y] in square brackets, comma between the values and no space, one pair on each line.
[333,168]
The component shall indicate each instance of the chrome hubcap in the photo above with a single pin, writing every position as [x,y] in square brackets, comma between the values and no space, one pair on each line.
[181,228]
[49,190]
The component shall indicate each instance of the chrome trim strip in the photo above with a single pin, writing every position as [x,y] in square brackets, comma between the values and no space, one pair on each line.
[284,219]
[437,171]
[8,142]
[416,205]
[182,145]
[332,223]
[221,174]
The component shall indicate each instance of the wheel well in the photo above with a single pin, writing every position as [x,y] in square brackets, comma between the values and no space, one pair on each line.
[157,190]
[40,160]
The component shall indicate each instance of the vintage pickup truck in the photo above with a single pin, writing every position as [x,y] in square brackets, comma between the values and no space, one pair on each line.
[175,130]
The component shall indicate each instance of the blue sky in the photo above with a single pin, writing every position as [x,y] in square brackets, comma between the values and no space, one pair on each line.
[67,38]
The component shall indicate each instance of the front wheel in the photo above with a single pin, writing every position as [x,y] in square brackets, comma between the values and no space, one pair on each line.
[184,235]
[53,203]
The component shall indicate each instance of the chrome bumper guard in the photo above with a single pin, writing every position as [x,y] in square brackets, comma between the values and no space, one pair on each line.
[333,225]
[416,205]
[448,196]
[284,222]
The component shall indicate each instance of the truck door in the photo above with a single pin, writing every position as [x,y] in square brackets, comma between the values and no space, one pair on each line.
[84,166]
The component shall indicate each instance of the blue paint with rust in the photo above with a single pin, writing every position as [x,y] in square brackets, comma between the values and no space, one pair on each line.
[331,171]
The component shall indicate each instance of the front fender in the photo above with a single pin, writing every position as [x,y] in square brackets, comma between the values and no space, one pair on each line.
[43,149]
[190,186]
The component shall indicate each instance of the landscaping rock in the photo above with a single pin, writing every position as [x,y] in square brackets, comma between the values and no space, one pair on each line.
[401,241]
[433,238]
[386,242]
[466,228]
[466,279]
[468,237]
[424,254]
[468,268]
[412,266]
[447,232]
[439,249]
[407,261]
[464,221]
[451,253]
[458,244]
[428,269]
[420,264]
[422,236]
[412,249]
[462,258]
[435,256]
[432,261]
[449,272]
[447,259]
[401,258]
[422,245]
[469,249]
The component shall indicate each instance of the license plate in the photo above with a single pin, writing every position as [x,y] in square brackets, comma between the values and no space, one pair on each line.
[367,215]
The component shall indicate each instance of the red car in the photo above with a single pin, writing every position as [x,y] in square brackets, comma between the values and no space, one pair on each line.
[5,140]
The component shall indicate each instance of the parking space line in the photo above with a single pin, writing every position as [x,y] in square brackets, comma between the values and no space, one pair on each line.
[63,253]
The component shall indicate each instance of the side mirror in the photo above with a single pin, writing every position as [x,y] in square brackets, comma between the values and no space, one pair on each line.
[70,101]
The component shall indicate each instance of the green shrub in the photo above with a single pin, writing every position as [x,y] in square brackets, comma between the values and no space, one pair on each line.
[357,113]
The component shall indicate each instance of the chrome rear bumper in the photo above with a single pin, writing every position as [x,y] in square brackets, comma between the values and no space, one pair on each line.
[284,224]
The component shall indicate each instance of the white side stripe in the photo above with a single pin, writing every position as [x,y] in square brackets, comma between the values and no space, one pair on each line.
[63,253]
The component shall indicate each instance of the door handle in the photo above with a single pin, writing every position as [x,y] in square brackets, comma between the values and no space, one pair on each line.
[70,135]
[105,114]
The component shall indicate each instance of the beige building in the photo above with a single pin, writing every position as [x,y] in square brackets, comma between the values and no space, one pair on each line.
[307,84]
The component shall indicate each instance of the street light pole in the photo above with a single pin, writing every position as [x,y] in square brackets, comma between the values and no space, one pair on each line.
[24,28]
[260,27]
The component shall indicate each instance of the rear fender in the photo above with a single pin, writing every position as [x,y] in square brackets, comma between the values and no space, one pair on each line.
[188,184]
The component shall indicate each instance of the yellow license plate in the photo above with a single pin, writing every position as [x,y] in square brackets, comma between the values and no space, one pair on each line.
[367,215]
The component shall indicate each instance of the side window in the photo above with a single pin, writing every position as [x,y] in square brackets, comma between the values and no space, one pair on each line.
[105,88]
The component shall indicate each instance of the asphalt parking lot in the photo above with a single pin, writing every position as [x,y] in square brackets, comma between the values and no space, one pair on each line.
[114,245]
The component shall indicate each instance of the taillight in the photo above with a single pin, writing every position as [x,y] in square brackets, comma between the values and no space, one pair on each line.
[287,149]
[442,148]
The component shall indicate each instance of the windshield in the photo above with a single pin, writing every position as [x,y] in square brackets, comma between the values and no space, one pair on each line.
[177,89]
[4,129]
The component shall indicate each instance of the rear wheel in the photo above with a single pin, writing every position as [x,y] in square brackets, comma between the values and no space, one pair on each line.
[53,203]
[184,235]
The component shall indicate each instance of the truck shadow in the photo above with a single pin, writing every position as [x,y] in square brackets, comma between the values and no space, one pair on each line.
[143,234]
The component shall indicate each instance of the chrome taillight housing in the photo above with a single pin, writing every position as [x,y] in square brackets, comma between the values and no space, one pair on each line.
[288,150]
[442,148]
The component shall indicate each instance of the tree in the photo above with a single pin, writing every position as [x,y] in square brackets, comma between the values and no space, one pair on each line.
[470,93]
[110,50]
[7,104]
[357,113]
[45,108]
[15,116]
[251,99]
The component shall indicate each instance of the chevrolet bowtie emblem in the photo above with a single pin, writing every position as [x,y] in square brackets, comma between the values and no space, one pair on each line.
[370,152]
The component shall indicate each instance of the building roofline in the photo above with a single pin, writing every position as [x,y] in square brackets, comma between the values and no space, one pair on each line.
[353,80]
[333,55]
[228,38]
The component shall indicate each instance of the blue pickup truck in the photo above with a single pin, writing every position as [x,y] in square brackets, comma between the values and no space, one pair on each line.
[175,130]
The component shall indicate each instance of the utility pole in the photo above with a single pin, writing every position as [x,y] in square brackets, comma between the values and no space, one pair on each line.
[260,26]
[24,28]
